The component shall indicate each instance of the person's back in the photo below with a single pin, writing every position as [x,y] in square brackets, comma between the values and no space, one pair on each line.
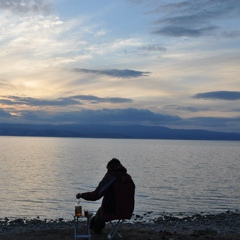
[118,191]
[118,202]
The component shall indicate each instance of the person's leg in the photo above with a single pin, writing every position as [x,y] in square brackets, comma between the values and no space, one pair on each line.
[97,224]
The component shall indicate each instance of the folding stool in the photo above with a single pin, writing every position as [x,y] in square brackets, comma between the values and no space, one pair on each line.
[86,235]
[115,228]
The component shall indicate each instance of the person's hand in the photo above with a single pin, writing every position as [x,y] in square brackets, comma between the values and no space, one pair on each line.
[78,195]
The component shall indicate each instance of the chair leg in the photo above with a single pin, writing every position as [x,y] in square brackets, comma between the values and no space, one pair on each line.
[115,227]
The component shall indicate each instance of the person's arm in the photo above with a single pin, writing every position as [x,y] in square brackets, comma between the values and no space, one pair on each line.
[101,189]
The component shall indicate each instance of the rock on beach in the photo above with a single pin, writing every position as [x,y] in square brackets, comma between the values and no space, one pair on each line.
[223,226]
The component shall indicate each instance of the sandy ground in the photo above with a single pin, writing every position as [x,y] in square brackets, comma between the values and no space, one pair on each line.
[223,226]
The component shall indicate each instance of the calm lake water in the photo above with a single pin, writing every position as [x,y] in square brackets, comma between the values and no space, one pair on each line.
[41,176]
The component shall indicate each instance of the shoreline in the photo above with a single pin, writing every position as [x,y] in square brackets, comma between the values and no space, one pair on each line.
[224,225]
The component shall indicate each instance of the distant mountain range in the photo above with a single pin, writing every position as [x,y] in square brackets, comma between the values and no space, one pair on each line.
[108,131]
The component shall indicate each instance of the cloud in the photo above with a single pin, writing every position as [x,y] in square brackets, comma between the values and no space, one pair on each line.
[94,99]
[153,48]
[125,73]
[28,101]
[176,31]
[192,18]
[136,1]
[214,123]
[102,116]
[4,113]
[26,6]
[188,109]
[127,116]
[60,102]
[138,115]
[123,116]
[223,95]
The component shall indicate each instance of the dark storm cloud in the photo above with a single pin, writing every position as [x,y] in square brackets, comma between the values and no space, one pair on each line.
[223,95]
[67,101]
[192,18]
[25,6]
[125,73]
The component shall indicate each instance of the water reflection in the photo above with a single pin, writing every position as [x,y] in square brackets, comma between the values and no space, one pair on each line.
[41,176]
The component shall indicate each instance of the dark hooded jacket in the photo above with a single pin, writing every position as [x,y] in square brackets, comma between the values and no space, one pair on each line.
[117,189]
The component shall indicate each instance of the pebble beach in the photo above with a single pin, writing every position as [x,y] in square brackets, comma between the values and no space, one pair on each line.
[223,226]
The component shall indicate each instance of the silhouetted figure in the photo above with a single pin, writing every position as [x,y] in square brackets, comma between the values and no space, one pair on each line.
[118,190]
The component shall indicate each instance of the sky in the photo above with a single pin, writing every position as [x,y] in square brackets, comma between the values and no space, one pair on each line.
[172,63]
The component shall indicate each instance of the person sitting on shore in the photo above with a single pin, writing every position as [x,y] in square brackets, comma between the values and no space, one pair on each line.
[118,191]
